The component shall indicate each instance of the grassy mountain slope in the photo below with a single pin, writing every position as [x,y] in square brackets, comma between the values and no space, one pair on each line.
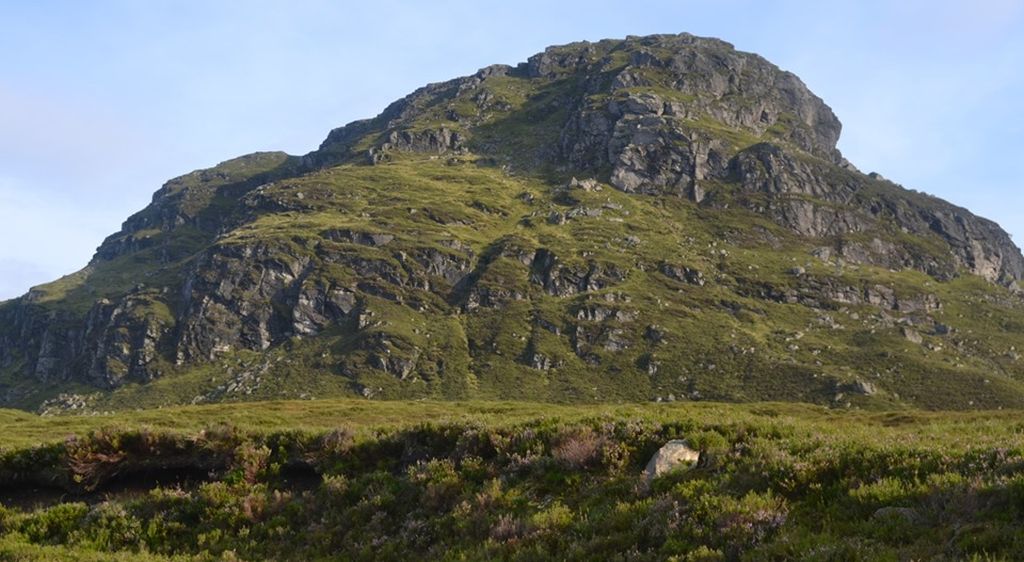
[658,218]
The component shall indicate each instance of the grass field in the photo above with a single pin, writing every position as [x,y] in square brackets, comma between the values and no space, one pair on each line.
[942,429]
[361,480]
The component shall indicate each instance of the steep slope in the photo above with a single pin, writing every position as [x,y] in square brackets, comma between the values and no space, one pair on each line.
[652,218]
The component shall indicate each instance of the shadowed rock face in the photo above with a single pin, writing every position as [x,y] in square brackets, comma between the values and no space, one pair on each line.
[550,173]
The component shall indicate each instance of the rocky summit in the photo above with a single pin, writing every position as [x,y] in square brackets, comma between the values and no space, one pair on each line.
[658,218]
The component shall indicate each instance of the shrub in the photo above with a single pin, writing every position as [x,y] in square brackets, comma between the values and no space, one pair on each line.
[509,529]
[54,525]
[751,519]
[251,461]
[703,554]
[577,448]
[337,442]
[110,526]
[555,518]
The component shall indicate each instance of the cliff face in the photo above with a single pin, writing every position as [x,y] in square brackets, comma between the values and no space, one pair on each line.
[677,115]
[637,219]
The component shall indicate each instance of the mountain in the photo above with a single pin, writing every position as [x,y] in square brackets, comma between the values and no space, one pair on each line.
[655,218]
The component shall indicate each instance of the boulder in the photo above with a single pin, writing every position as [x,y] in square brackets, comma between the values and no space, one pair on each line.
[912,335]
[863,387]
[585,185]
[677,453]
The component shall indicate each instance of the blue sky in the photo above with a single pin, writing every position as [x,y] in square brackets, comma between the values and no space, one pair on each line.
[103,101]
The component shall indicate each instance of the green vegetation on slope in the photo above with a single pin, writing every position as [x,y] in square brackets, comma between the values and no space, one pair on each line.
[733,337]
[654,219]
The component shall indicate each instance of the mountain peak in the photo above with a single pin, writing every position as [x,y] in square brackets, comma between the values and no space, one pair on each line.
[689,82]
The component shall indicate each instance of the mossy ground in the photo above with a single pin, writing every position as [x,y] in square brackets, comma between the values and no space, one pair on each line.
[354,480]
